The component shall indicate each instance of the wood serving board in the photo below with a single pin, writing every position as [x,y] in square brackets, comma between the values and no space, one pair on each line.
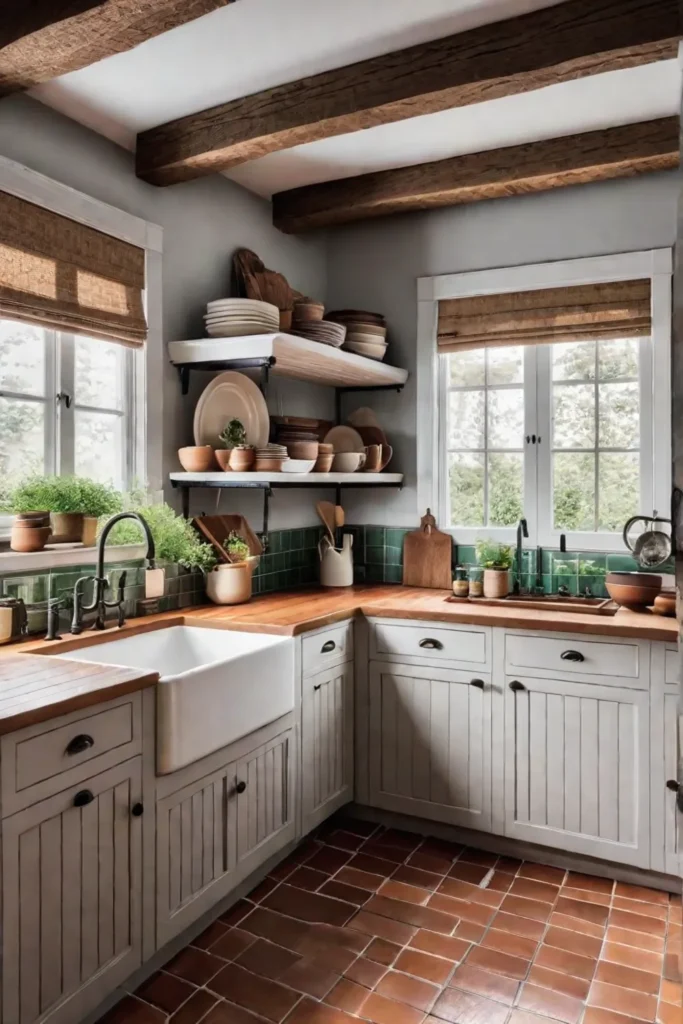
[427,556]
[216,529]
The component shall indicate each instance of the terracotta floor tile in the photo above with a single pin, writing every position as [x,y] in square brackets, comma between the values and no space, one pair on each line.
[382,927]
[670,992]
[266,959]
[346,893]
[563,960]
[630,957]
[262,889]
[484,983]
[575,924]
[383,952]
[591,883]
[584,911]
[133,1011]
[358,826]
[525,1017]
[462,890]
[627,977]
[234,942]
[310,977]
[597,1015]
[460,1007]
[195,1009]
[448,946]
[542,873]
[401,839]
[637,922]
[442,847]
[374,865]
[534,890]
[470,931]
[237,912]
[550,1004]
[342,840]
[639,892]
[308,1011]
[308,906]
[573,942]
[361,879]
[195,965]
[266,998]
[518,925]
[266,924]
[523,907]
[210,935]
[602,899]
[507,942]
[556,981]
[373,848]
[417,877]
[324,939]
[329,860]
[510,865]
[347,996]
[334,958]
[473,873]
[639,907]
[285,869]
[381,1010]
[420,917]
[424,965]
[463,910]
[165,991]
[365,972]
[401,891]
[406,989]
[672,966]
[473,856]
[622,1000]
[229,1013]
[498,963]
[500,881]
[434,862]
[304,877]
[668,1014]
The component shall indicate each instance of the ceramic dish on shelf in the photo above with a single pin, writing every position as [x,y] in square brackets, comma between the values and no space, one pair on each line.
[363,417]
[298,465]
[230,396]
[345,439]
[370,350]
[250,306]
[238,330]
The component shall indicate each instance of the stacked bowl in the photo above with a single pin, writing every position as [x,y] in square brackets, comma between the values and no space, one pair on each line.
[231,318]
[366,333]
[270,459]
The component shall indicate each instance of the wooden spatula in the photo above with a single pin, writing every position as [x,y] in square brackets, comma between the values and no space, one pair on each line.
[325,510]
[339,520]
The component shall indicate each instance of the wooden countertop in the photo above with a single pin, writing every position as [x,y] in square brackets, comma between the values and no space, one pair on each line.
[33,688]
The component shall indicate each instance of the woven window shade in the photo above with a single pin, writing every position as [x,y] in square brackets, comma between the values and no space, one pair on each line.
[584,313]
[55,272]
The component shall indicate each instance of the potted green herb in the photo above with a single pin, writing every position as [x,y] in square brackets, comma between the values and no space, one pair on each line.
[97,501]
[235,453]
[68,499]
[495,559]
[175,539]
[230,583]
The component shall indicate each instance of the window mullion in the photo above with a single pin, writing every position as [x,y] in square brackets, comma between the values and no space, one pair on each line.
[596,428]
[67,386]
[51,460]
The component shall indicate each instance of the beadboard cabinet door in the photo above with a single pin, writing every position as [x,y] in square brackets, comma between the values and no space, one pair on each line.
[262,791]
[670,750]
[430,743]
[71,879]
[327,743]
[577,767]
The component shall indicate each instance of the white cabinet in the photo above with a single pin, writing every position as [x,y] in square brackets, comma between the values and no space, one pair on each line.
[261,785]
[430,743]
[577,767]
[665,753]
[327,743]
[71,884]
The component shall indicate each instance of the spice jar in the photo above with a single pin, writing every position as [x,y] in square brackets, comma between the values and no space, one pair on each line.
[476,581]
[461,584]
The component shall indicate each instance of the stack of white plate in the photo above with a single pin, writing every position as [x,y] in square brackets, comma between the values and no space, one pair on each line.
[232,318]
[320,330]
[366,340]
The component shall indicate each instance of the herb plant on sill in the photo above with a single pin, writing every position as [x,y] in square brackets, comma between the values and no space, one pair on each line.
[496,560]
[175,539]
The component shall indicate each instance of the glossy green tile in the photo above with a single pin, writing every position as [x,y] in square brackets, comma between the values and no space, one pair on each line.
[393,574]
[374,555]
[393,555]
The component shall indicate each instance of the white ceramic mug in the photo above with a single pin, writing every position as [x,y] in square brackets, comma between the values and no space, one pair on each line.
[348,462]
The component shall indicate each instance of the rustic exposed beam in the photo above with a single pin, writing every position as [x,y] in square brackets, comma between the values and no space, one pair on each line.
[536,167]
[556,44]
[42,39]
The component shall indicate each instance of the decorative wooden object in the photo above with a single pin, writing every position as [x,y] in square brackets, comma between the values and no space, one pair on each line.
[622,152]
[48,38]
[556,44]
[217,529]
[427,555]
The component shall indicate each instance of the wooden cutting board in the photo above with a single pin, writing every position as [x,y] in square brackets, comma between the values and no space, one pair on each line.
[427,556]
[216,530]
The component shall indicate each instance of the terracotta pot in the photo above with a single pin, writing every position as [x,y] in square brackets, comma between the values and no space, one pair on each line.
[665,603]
[324,462]
[89,535]
[496,583]
[223,458]
[33,518]
[373,458]
[242,459]
[29,538]
[196,458]
[303,449]
[67,527]
[229,584]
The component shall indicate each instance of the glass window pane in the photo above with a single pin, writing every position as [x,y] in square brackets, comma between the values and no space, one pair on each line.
[99,445]
[466,419]
[618,359]
[22,358]
[98,373]
[466,486]
[467,369]
[573,360]
[619,489]
[506,418]
[574,416]
[506,484]
[22,440]
[505,365]
[619,415]
[574,491]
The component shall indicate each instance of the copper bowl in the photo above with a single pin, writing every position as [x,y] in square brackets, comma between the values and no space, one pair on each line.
[635,590]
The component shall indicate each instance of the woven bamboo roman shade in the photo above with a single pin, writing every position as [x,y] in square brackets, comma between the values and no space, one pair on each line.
[579,313]
[58,273]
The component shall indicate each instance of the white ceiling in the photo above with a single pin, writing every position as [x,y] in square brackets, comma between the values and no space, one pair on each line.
[255,44]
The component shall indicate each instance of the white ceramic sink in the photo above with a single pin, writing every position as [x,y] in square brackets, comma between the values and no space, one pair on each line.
[215,685]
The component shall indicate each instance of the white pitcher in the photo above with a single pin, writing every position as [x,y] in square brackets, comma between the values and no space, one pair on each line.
[336,564]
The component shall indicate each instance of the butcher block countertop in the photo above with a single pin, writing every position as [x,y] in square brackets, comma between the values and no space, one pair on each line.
[34,688]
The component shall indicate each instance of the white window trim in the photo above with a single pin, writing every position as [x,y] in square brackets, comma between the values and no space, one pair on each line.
[655,264]
[145,429]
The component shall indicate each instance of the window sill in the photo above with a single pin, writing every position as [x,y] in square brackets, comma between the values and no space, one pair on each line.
[66,555]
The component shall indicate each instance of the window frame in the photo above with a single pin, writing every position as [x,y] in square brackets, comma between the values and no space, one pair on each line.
[655,379]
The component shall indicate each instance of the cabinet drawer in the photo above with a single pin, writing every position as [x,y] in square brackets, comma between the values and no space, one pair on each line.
[430,642]
[327,646]
[570,654]
[46,758]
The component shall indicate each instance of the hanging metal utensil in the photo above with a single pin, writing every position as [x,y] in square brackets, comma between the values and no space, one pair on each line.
[652,547]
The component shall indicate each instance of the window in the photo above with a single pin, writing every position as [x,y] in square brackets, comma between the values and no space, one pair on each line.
[66,406]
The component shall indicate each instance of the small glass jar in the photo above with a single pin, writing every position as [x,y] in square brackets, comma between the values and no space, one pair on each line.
[461,584]
[476,581]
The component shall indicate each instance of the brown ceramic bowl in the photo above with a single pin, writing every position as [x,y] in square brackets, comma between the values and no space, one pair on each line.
[242,459]
[222,456]
[308,311]
[268,465]
[634,590]
[303,449]
[323,463]
[197,458]
[29,538]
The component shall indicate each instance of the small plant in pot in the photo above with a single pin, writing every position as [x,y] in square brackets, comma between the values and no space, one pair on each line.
[495,559]
[230,583]
[97,502]
[67,500]
[235,454]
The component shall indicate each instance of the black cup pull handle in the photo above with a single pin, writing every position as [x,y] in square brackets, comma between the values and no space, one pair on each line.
[431,644]
[517,686]
[673,785]
[83,798]
[80,743]
[240,786]
[328,646]
[137,810]
[318,686]
[479,683]
[572,656]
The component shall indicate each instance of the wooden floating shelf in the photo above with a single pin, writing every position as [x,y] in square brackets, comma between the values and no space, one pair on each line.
[220,479]
[289,356]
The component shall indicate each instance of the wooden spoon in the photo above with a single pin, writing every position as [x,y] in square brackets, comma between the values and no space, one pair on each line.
[326,511]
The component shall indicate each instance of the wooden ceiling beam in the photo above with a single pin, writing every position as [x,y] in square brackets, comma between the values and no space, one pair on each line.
[43,39]
[573,40]
[536,167]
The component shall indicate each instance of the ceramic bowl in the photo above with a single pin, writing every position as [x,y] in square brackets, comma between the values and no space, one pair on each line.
[197,458]
[298,465]
[267,465]
[223,458]
[308,311]
[242,459]
[323,464]
[303,450]
[348,462]
[370,350]
[633,589]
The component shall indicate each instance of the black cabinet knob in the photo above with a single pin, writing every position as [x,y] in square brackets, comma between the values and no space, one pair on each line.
[137,810]
[479,683]
[517,686]
[431,644]
[240,787]
[572,656]
[79,744]
[328,646]
[83,798]
[673,785]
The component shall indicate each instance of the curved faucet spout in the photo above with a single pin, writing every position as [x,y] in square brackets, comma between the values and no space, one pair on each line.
[106,530]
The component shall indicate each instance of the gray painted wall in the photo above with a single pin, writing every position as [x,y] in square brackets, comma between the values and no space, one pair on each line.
[375,266]
[204,222]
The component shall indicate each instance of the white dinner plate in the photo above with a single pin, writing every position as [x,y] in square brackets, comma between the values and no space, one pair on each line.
[243,304]
[230,396]
[344,439]
[238,330]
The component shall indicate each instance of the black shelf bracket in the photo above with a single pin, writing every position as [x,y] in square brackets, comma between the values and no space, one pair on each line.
[339,392]
[262,363]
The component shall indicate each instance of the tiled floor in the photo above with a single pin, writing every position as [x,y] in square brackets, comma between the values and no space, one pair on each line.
[389,927]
